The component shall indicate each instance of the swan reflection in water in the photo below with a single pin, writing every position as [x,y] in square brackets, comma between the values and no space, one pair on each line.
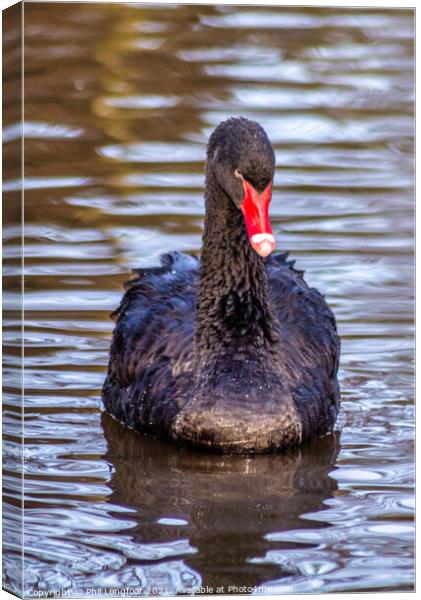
[218,508]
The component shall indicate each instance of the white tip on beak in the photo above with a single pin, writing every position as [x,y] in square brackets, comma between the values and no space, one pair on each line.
[263,243]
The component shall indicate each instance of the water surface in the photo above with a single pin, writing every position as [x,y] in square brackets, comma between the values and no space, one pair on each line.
[119,103]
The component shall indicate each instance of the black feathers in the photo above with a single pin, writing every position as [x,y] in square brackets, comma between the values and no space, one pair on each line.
[232,353]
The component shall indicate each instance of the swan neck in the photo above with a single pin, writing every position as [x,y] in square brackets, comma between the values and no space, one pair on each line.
[235,313]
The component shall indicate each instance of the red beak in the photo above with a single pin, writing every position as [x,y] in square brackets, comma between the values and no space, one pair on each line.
[255,208]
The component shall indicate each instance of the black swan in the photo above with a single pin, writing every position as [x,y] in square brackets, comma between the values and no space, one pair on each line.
[234,353]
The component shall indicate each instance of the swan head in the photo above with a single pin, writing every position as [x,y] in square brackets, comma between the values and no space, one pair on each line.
[242,159]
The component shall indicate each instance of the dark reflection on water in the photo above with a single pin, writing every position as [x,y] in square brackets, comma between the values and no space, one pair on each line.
[119,103]
[220,508]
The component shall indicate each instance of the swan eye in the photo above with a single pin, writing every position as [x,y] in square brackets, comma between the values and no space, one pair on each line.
[238,174]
